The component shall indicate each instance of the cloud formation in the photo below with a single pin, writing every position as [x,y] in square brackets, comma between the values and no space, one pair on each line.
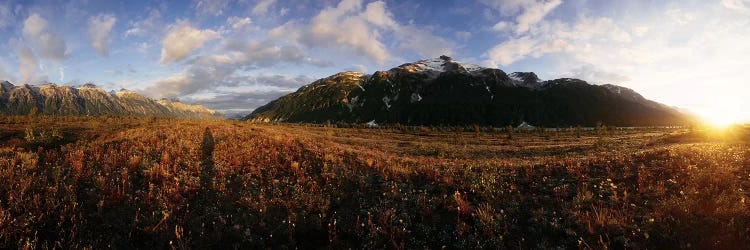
[534,13]
[181,39]
[253,92]
[738,5]
[99,28]
[222,69]
[345,25]
[360,28]
[238,23]
[425,44]
[29,66]
[6,16]
[149,25]
[257,89]
[669,47]
[227,63]
[237,103]
[211,7]
[261,8]
[595,75]
[553,36]
[526,12]
[46,43]
[350,25]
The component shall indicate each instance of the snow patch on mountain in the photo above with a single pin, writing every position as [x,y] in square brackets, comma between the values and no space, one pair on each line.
[415,97]
[515,77]
[387,102]
[443,64]
[472,67]
[434,64]
[492,96]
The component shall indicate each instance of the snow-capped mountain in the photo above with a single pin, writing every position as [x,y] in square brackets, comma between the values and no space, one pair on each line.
[444,91]
[52,99]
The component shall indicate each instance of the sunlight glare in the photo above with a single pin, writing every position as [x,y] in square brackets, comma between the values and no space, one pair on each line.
[721,111]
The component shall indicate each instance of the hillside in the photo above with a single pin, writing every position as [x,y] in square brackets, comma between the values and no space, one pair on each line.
[442,91]
[52,99]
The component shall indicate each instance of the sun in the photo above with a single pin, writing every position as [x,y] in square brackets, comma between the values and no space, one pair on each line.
[721,112]
[720,119]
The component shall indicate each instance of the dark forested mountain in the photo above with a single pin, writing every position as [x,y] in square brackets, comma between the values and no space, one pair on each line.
[443,91]
[51,99]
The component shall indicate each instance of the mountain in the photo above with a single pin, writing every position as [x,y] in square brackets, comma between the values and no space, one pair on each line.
[442,91]
[52,99]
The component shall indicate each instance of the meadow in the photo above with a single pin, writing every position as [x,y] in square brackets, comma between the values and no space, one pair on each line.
[107,182]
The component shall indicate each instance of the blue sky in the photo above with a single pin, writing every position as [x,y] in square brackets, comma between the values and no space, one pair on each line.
[234,55]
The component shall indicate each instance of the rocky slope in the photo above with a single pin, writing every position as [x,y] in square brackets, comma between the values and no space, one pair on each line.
[51,99]
[443,91]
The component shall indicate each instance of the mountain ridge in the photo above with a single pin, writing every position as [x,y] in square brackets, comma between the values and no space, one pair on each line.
[88,99]
[441,91]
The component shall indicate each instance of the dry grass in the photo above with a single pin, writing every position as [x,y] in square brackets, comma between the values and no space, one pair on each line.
[151,183]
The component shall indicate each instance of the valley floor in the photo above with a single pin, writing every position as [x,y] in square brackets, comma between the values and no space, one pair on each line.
[77,182]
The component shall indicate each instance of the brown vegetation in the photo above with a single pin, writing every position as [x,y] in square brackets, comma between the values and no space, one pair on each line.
[80,182]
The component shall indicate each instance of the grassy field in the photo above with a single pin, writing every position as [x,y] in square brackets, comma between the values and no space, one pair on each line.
[81,182]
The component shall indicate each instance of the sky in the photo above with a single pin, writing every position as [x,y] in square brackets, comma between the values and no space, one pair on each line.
[236,55]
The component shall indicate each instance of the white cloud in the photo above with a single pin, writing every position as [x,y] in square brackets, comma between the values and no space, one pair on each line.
[171,86]
[679,16]
[290,30]
[262,7]
[502,26]
[255,90]
[238,23]
[224,68]
[6,16]
[265,53]
[738,5]
[211,72]
[527,13]
[423,43]
[357,68]
[46,44]
[594,74]
[143,47]
[378,14]
[507,7]
[343,26]
[511,51]
[551,37]
[181,39]
[350,26]
[211,7]
[641,30]
[99,28]
[150,25]
[29,66]
[463,35]
[534,13]
[360,29]
[696,49]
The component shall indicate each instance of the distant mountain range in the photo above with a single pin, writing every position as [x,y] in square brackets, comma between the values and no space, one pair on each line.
[441,91]
[52,99]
